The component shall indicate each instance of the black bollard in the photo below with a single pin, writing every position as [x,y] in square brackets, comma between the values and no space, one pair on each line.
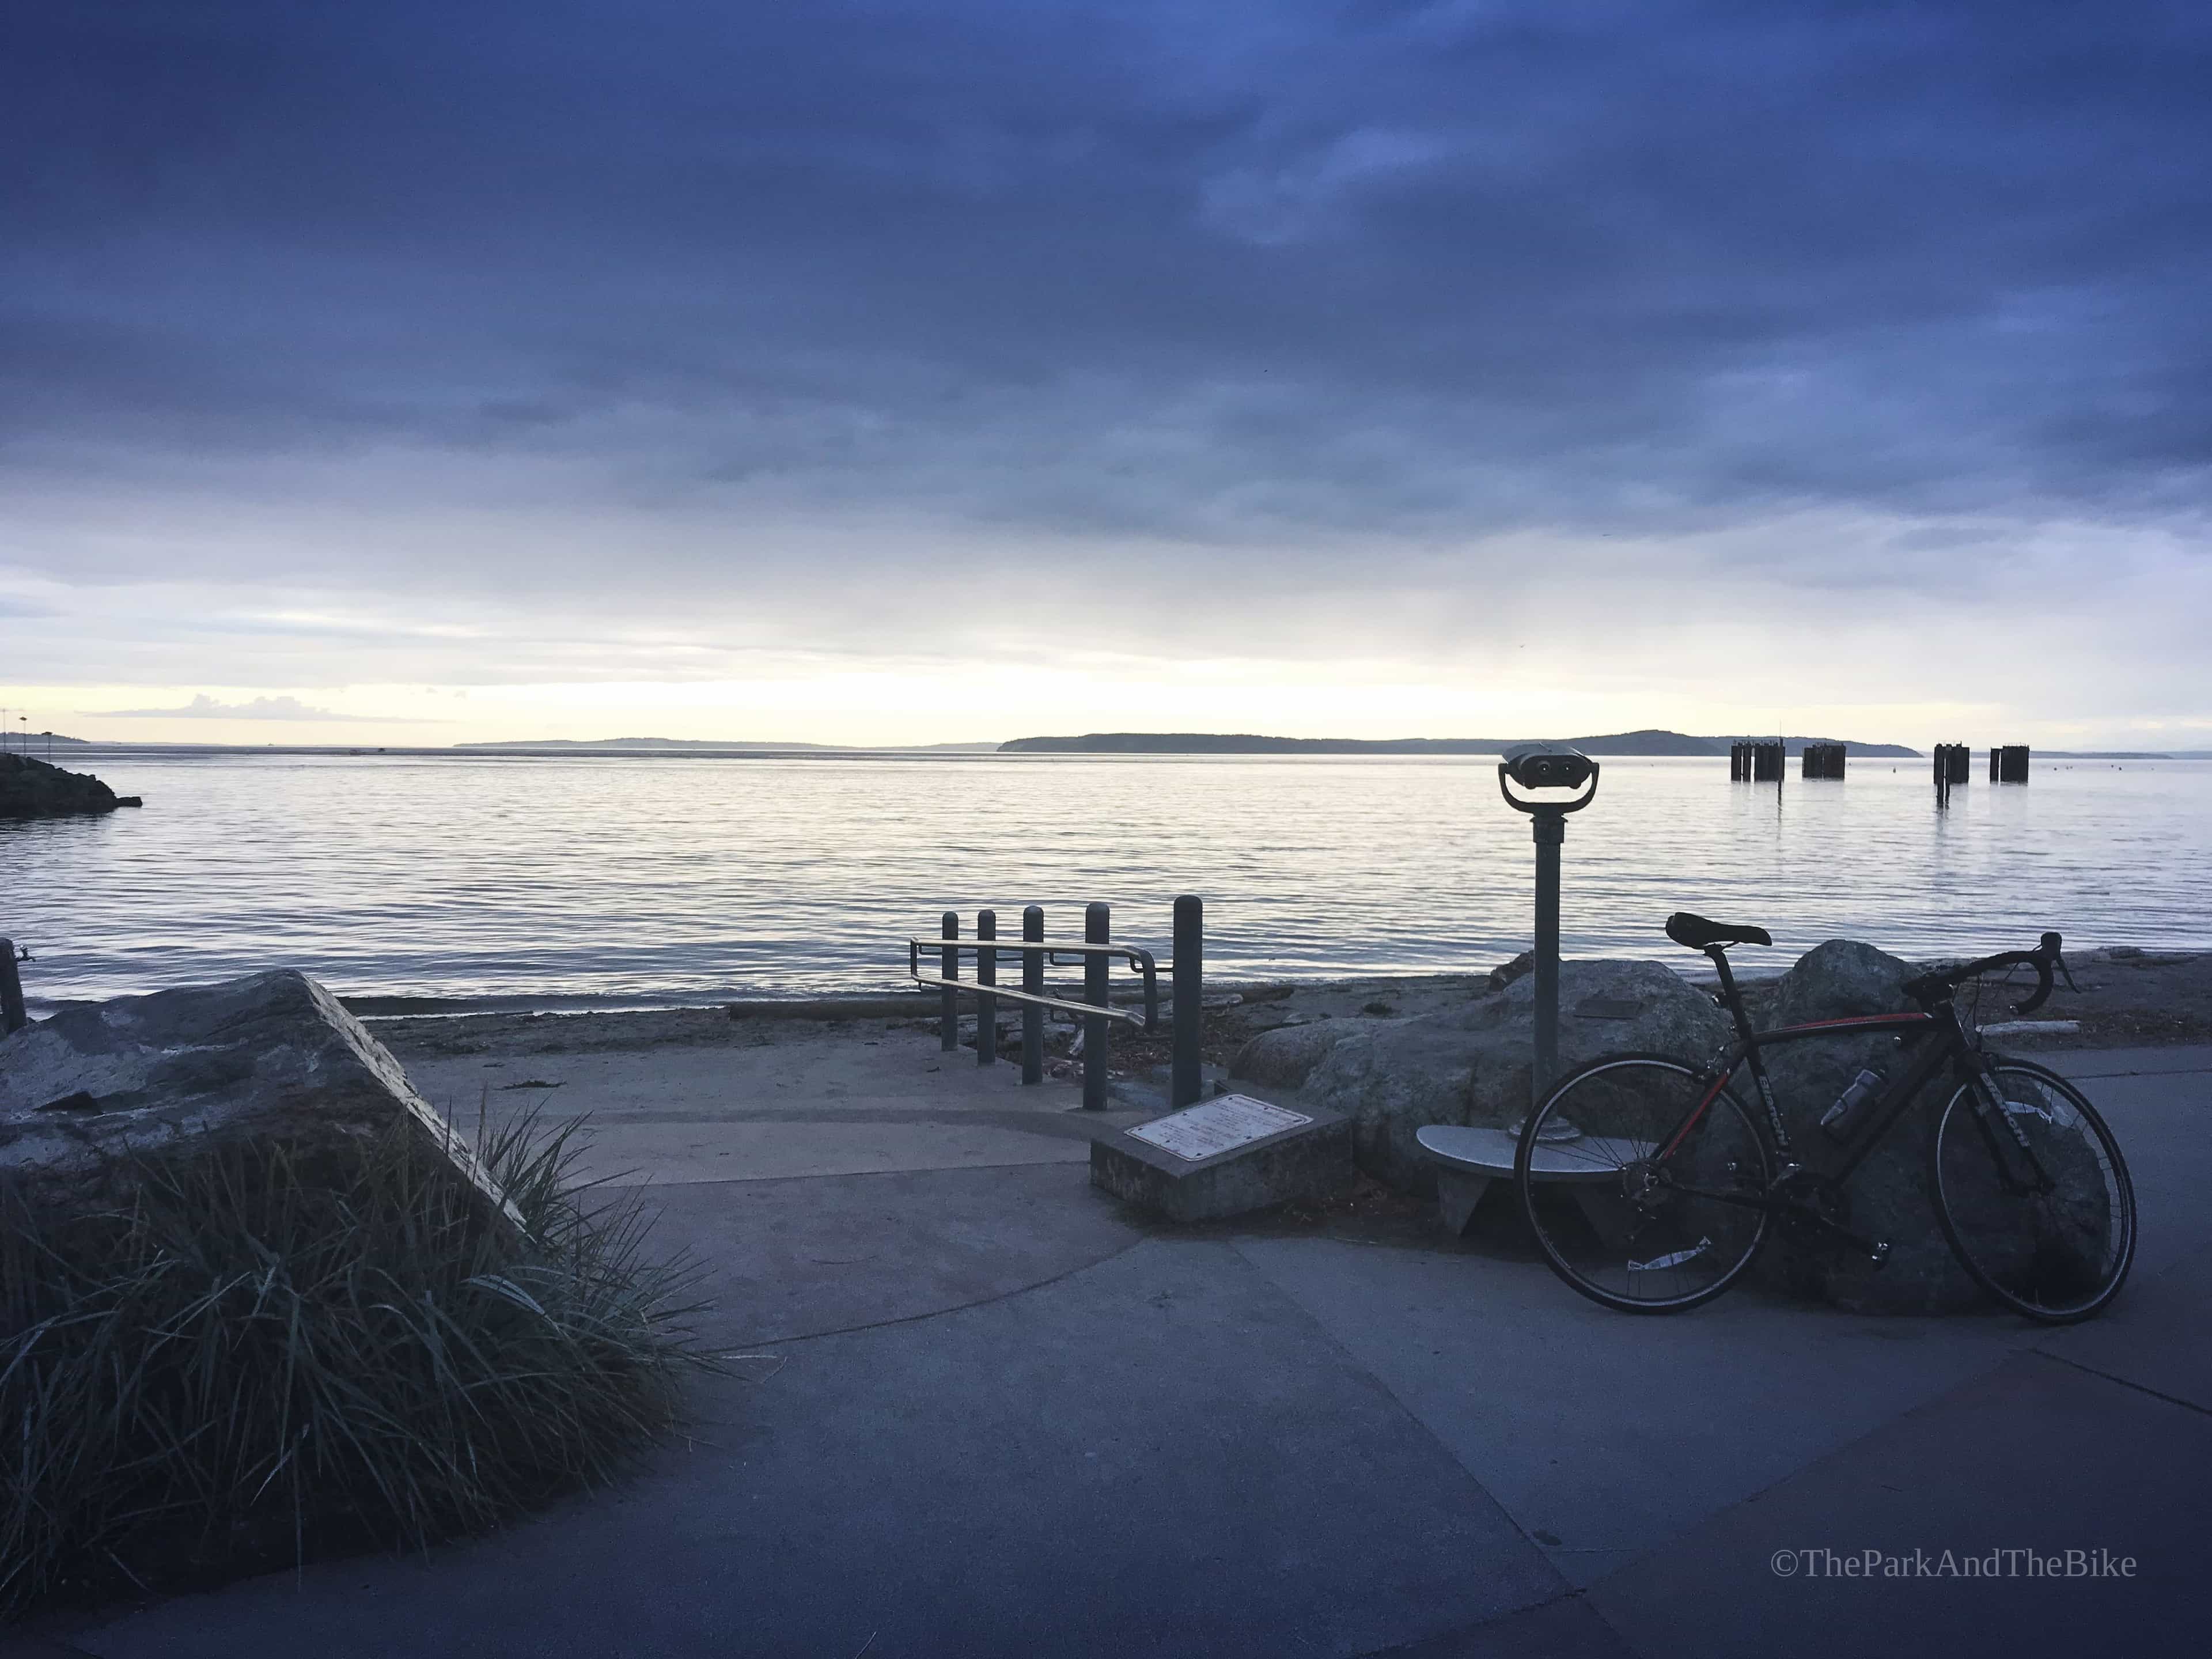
[1096,919]
[948,1004]
[1033,983]
[1189,1005]
[987,1005]
[12,1015]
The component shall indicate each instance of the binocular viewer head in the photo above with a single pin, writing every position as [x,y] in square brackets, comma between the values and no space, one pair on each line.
[1547,766]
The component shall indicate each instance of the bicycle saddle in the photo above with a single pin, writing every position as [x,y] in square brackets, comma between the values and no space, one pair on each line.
[1699,933]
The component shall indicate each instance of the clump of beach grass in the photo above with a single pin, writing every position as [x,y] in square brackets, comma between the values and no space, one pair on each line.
[266,1353]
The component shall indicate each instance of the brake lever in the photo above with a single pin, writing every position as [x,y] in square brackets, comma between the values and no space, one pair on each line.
[2051,948]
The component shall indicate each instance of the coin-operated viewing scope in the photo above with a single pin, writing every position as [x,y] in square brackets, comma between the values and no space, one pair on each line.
[1545,766]
[1541,766]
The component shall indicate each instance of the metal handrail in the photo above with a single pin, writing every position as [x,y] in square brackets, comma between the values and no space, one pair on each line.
[977,988]
[1140,960]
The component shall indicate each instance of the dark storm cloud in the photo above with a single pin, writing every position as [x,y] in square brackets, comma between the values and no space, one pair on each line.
[1219,273]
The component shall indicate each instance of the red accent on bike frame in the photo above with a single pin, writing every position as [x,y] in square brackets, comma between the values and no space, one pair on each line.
[1719,1083]
[1856,1019]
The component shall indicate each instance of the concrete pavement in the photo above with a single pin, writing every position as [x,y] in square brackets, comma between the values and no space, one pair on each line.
[996,1415]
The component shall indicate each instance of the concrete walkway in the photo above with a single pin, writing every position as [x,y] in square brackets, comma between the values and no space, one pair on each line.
[997,1415]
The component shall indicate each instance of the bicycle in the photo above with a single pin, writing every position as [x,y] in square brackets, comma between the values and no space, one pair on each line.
[1677,1184]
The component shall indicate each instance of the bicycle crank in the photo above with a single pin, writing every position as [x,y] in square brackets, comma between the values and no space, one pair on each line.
[1813,1205]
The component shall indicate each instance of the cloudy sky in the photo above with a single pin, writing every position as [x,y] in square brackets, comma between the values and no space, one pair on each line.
[911,372]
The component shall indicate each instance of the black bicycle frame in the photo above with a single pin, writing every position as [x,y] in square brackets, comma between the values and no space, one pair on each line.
[1952,1047]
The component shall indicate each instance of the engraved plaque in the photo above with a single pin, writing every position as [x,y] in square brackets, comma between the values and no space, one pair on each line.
[1220,1125]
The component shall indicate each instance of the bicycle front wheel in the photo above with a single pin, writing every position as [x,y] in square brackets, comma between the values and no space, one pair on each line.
[2036,1199]
[1644,1182]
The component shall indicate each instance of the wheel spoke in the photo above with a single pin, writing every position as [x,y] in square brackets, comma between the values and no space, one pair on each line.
[1653,1235]
[2055,1247]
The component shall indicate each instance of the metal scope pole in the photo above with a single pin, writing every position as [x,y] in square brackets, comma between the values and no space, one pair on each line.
[1096,923]
[1550,828]
[1189,1007]
[12,1017]
[1033,983]
[948,999]
[987,1005]
[1539,767]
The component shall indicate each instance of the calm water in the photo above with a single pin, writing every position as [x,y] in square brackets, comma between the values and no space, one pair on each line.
[569,880]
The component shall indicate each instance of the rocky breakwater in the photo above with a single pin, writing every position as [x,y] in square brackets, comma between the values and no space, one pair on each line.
[1472,1065]
[101,1087]
[33,789]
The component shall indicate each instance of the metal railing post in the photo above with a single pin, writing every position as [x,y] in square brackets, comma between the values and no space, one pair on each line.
[1096,924]
[948,1005]
[1033,983]
[1189,1008]
[987,1005]
[12,1016]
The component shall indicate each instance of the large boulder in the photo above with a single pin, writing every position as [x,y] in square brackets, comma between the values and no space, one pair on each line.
[1887,1195]
[1286,1057]
[269,1056]
[1472,1065]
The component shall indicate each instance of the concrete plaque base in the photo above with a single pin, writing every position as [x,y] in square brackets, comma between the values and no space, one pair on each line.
[1308,1159]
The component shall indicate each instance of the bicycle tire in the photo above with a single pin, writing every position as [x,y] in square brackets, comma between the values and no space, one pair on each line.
[2056,1257]
[1691,1247]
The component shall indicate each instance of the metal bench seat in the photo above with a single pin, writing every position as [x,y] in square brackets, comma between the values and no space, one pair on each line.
[1469,1159]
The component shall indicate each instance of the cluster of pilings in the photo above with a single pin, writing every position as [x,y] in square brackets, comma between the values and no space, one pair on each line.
[1755,763]
[2007,764]
[1823,760]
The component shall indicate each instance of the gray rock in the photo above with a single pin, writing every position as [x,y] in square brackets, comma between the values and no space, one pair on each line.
[1887,1195]
[1520,968]
[1285,1057]
[272,1055]
[1472,1065]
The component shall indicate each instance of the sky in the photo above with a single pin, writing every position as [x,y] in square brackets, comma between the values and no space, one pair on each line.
[907,372]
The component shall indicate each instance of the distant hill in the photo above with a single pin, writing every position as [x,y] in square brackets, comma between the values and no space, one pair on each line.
[1207,743]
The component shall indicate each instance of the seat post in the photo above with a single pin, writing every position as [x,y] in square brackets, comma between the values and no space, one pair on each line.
[1732,997]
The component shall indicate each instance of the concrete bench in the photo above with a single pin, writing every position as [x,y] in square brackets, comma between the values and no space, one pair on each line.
[1469,1159]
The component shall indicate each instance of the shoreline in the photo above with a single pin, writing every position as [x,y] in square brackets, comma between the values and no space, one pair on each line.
[2128,997]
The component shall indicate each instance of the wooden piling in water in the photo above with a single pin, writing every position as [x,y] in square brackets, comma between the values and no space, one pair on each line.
[2008,764]
[1822,760]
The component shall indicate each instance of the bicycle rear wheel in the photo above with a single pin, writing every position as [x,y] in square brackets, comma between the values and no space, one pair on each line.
[2047,1228]
[1642,1181]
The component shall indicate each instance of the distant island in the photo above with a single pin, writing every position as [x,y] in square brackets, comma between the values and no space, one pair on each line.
[1614,743]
